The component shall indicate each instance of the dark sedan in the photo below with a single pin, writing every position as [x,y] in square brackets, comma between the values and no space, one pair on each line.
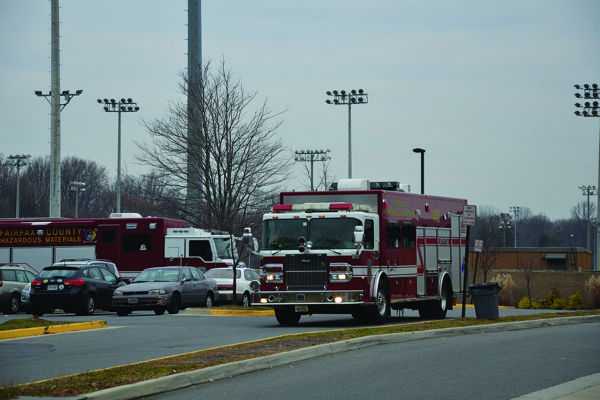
[73,288]
[163,289]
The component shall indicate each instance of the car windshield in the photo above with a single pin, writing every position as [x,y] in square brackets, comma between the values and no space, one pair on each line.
[158,275]
[223,246]
[58,272]
[324,233]
[218,273]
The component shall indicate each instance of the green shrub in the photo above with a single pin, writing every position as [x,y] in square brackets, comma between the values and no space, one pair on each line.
[558,303]
[525,302]
[575,301]
[537,304]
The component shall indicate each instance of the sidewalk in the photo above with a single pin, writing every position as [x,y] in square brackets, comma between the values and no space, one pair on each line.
[585,388]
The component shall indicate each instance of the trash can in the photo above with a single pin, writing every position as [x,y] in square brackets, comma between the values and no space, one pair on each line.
[485,299]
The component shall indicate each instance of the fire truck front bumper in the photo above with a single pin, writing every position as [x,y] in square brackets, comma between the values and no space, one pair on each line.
[308,298]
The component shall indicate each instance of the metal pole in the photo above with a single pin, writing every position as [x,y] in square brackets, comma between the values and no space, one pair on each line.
[118,188]
[465,274]
[312,182]
[77,203]
[588,233]
[55,179]
[423,173]
[17,205]
[596,265]
[349,139]
[515,225]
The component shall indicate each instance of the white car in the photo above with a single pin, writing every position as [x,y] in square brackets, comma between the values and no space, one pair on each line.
[244,283]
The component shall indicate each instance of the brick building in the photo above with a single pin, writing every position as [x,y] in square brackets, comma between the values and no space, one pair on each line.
[538,258]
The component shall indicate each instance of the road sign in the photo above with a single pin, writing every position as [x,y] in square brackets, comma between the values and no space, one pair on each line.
[469,215]
[478,247]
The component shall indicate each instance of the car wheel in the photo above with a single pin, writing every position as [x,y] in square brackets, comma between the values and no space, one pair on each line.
[88,306]
[174,304]
[209,301]
[286,316]
[246,300]
[123,313]
[159,311]
[14,305]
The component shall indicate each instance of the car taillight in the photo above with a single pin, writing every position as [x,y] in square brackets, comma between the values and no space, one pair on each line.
[36,282]
[74,282]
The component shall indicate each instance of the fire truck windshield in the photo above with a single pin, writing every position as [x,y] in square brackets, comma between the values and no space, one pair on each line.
[324,233]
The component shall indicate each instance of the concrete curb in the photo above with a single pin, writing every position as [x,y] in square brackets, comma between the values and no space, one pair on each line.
[565,390]
[219,312]
[210,374]
[51,329]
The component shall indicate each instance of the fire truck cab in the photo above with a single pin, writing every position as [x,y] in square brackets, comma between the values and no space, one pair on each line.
[363,249]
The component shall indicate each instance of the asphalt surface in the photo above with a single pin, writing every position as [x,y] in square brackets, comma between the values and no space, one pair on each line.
[485,366]
[142,336]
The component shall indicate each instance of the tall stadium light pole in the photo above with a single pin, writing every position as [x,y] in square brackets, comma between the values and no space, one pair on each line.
[18,161]
[77,187]
[505,224]
[587,191]
[421,151]
[350,97]
[516,211]
[310,156]
[195,97]
[589,94]
[122,106]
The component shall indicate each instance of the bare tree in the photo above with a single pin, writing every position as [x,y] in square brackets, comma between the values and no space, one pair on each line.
[579,210]
[237,158]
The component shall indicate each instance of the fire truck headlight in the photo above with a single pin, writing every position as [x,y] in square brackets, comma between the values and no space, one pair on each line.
[264,300]
[340,276]
[338,300]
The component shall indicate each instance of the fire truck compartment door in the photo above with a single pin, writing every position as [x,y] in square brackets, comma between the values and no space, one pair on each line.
[174,247]
[421,262]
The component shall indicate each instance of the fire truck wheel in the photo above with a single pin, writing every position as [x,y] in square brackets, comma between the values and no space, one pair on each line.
[174,304]
[436,309]
[382,305]
[286,316]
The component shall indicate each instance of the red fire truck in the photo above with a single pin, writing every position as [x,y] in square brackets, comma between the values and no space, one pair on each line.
[129,240]
[362,249]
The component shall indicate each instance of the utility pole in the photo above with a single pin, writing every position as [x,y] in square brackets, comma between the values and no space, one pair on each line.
[505,224]
[55,108]
[77,187]
[590,93]
[123,106]
[310,156]
[18,161]
[516,211]
[588,190]
[349,98]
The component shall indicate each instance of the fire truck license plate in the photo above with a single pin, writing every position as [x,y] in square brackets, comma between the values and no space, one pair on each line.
[301,308]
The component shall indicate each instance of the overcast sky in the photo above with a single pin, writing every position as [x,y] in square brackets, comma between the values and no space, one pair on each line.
[484,86]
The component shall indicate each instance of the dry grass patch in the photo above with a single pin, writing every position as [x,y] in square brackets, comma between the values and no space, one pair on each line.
[28,323]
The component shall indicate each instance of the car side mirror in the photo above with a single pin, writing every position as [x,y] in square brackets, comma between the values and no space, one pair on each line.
[185,280]
[124,280]
[359,234]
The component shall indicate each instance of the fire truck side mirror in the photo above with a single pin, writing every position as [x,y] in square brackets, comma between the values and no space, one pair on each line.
[247,235]
[359,234]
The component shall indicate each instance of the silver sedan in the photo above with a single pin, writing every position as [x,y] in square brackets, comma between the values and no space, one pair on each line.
[165,289]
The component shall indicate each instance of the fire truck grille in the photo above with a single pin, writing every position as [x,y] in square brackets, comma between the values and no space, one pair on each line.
[305,271]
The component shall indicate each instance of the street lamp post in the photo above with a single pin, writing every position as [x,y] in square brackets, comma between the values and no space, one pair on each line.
[57,105]
[516,211]
[311,156]
[77,187]
[350,97]
[125,105]
[18,161]
[588,190]
[505,224]
[421,151]
[590,95]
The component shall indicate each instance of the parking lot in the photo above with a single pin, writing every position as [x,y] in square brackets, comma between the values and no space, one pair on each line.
[143,335]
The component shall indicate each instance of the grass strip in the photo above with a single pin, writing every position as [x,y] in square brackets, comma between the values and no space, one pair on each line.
[28,323]
[116,376]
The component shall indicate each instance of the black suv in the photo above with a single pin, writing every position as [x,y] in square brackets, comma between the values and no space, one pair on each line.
[73,287]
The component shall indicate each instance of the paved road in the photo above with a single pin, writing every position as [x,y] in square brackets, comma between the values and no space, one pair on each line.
[485,366]
[142,336]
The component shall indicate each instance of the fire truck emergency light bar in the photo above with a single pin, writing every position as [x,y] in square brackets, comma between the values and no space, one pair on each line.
[307,207]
